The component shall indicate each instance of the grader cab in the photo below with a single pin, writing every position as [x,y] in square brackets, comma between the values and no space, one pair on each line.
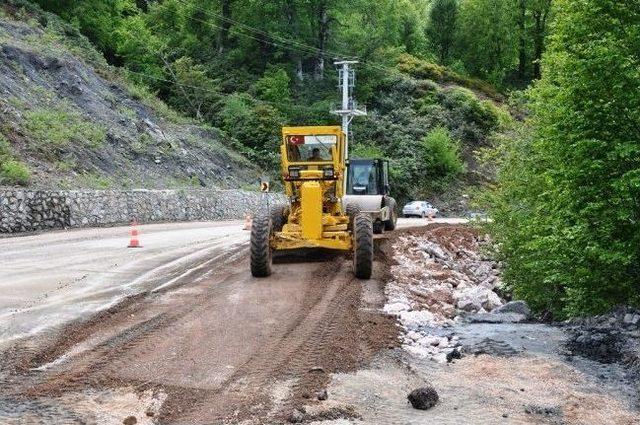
[313,172]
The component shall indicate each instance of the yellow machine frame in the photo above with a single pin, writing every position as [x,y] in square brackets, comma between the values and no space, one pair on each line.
[316,217]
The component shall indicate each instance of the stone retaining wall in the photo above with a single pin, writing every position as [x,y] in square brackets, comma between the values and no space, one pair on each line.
[29,210]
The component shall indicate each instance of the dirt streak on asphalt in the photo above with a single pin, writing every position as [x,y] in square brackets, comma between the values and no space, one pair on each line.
[215,347]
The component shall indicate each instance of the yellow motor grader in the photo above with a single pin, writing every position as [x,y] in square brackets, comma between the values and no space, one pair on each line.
[313,172]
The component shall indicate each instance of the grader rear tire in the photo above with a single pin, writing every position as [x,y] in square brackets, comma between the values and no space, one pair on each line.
[363,246]
[261,259]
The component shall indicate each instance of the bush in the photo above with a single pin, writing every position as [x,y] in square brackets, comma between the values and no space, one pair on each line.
[440,157]
[256,126]
[565,212]
[274,86]
[476,119]
[14,173]
[5,149]
[420,69]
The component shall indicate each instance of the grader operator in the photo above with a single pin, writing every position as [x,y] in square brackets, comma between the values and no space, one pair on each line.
[313,171]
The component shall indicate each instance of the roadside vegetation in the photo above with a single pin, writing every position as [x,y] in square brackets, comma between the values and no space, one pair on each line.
[247,68]
[566,208]
[12,171]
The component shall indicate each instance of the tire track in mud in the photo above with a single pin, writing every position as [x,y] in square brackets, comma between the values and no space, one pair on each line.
[271,362]
[167,341]
[24,358]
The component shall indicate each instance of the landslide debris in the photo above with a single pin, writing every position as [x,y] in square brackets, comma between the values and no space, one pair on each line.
[440,277]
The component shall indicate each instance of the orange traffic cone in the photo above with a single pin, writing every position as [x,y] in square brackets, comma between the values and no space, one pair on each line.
[134,242]
[247,222]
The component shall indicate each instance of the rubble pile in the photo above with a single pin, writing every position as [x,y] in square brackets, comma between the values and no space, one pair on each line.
[440,277]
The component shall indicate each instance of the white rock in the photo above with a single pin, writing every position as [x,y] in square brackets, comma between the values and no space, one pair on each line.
[415,319]
[434,250]
[396,308]
[429,341]
[440,357]
[413,335]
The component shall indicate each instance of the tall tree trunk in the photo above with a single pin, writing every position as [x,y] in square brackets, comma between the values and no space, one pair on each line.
[540,28]
[522,54]
[299,70]
[292,21]
[323,32]
[537,46]
[225,26]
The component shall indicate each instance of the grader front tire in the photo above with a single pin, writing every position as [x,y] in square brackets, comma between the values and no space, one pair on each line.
[363,246]
[260,250]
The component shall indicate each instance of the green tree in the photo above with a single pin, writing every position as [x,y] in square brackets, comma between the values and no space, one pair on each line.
[567,210]
[274,86]
[443,27]
[488,37]
[97,19]
[193,90]
[440,157]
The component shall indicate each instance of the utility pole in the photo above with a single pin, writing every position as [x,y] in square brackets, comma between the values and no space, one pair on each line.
[348,109]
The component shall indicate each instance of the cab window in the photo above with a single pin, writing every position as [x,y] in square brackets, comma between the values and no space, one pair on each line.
[362,179]
[310,148]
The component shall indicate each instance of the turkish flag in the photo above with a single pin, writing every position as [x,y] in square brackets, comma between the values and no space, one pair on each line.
[296,140]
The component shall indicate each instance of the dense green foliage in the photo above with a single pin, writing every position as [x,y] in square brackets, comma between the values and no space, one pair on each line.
[567,208]
[248,67]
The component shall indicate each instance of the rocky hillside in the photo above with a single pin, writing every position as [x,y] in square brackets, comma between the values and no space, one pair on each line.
[70,120]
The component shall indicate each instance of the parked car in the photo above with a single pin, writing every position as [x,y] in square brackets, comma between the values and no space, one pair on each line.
[419,209]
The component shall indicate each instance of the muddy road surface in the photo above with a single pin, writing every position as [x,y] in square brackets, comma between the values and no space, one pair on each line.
[175,333]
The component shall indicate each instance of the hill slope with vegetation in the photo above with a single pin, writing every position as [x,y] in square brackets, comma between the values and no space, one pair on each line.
[70,120]
[246,68]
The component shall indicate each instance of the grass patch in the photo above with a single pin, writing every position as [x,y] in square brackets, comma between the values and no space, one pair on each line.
[91,180]
[53,130]
[143,94]
[14,172]
[142,145]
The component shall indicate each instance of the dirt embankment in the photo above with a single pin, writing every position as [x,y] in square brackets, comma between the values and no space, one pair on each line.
[77,123]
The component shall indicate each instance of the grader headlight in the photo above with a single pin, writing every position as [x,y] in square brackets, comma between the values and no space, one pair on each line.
[294,172]
[328,172]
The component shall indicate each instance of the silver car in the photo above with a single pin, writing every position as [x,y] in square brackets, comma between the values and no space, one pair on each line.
[419,209]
